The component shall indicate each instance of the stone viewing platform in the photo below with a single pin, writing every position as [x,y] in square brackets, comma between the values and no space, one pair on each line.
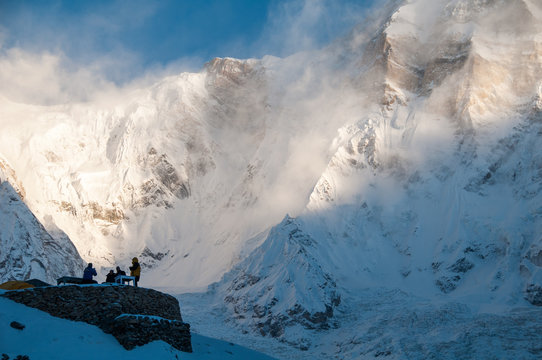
[134,315]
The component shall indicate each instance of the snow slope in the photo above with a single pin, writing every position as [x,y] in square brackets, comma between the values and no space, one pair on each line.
[65,339]
[382,322]
[433,190]
[178,174]
[27,250]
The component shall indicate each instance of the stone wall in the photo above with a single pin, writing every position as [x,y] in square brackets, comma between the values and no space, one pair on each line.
[137,330]
[135,316]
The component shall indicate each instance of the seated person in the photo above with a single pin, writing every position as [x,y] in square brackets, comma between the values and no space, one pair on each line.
[110,277]
[88,273]
[120,272]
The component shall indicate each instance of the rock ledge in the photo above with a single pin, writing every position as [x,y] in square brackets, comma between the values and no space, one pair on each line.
[135,316]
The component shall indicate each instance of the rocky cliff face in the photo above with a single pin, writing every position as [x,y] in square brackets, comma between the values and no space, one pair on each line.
[423,192]
[179,151]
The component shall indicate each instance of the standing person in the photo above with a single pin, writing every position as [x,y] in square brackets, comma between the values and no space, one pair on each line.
[135,270]
[88,273]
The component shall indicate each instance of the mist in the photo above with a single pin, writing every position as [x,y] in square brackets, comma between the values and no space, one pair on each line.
[55,54]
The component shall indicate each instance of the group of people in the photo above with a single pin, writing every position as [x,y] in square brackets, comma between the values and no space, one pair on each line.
[110,277]
[90,272]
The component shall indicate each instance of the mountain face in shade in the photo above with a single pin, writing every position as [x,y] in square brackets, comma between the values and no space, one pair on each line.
[434,187]
[27,249]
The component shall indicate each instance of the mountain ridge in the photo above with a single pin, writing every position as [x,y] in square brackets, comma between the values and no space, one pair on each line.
[405,153]
[422,193]
[27,249]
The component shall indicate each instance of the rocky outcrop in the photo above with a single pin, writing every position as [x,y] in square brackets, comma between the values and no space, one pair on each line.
[135,316]
[533,294]
[11,177]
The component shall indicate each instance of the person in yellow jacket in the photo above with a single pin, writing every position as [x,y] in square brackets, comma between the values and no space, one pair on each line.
[135,270]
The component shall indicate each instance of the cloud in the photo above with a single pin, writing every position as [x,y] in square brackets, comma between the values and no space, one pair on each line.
[54,53]
[43,79]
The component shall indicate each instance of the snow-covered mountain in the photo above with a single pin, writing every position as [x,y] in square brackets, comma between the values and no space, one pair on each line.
[27,250]
[434,188]
[76,339]
[188,174]
[403,157]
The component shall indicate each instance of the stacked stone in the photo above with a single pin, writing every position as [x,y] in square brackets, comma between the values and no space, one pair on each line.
[135,330]
[103,306]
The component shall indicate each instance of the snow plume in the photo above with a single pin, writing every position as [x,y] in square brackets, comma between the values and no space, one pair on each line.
[52,78]
[52,54]
[312,99]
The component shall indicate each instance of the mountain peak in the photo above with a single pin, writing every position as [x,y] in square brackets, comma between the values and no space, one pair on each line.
[233,69]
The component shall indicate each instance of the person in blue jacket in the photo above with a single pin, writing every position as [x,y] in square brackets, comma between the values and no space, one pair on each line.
[88,273]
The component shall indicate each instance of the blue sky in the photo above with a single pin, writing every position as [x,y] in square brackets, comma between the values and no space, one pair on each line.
[57,51]
[150,33]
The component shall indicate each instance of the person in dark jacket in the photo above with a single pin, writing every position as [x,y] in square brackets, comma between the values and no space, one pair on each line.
[120,272]
[135,270]
[110,277]
[88,273]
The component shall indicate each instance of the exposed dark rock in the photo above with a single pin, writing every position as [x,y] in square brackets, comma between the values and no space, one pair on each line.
[448,284]
[383,353]
[236,71]
[17,325]
[535,256]
[135,316]
[242,281]
[273,326]
[149,259]
[112,213]
[461,266]
[168,176]
[137,330]
[166,182]
[152,193]
[533,294]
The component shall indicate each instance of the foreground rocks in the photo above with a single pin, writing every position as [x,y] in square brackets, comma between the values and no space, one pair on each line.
[135,316]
